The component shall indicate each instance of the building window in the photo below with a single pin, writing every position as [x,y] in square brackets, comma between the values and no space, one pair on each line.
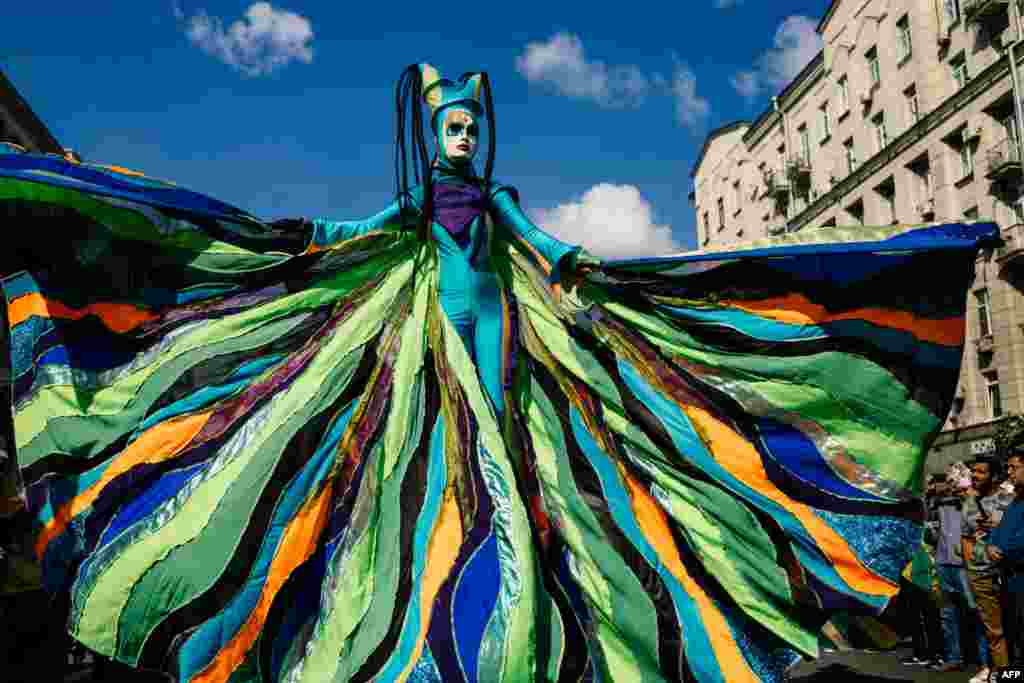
[856,211]
[881,133]
[707,227]
[959,68]
[966,160]
[805,144]
[843,87]
[874,70]
[825,122]
[887,193]
[913,105]
[993,398]
[984,312]
[952,8]
[1010,126]
[905,46]
[851,156]
[721,213]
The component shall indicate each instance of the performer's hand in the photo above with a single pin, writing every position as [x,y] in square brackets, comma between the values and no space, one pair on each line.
[994,553]
[586,263]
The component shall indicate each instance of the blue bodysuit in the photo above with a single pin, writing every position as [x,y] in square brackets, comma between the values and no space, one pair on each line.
[469,291]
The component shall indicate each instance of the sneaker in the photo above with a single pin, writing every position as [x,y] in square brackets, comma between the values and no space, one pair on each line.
[981,676]
[915,661]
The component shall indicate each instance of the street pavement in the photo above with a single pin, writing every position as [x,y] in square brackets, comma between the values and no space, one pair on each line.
[851,666]
[862,666]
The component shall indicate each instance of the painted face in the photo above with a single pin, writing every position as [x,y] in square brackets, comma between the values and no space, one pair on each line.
[460,135]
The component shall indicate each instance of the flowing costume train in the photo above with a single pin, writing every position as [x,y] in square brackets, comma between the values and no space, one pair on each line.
[252,455]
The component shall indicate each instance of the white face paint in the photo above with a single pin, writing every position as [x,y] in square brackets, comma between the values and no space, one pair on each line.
[461,136]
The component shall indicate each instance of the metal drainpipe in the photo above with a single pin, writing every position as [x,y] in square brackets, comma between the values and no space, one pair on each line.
[785,156]
[1015,80]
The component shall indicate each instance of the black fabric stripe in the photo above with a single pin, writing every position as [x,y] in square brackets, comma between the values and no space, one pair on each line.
[756,279]
[203,607]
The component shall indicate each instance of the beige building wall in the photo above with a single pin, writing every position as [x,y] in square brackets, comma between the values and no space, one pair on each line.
[906,116]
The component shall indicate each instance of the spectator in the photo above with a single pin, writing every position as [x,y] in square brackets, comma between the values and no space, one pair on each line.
[1006,546]
[981,513]
[957,602]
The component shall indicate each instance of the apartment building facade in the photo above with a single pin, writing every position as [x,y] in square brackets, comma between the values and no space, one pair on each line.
[907,115]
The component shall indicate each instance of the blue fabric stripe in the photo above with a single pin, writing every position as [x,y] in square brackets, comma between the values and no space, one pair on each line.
[691,447]
[151,497]
[795,452]
[949,236]
[53,171]
[474,600]
[202,646]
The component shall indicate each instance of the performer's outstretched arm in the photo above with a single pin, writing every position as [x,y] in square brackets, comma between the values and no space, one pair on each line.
[507,212]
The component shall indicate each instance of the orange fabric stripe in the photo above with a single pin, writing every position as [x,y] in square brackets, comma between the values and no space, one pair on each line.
[742,460]
[654,525]
[158,443]
[297,544]
[442,551]
[798,310]
[117,317]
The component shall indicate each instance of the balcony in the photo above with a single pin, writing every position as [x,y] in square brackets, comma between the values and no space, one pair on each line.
[926,208]
[985,343]
[979,10]
[798,171]
[777,184]
[1004,161]
[1011,254]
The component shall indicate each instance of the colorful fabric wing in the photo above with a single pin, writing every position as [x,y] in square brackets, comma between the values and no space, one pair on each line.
[250,458]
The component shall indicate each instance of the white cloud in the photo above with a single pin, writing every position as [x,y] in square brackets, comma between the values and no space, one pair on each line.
[264,41]
[795,45]
[691,108]
[561,62]
[610,221]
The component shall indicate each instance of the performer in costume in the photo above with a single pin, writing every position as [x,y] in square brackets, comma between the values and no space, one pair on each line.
[439,445]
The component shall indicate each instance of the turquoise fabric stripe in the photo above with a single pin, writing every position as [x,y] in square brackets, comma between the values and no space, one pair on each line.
[238,380]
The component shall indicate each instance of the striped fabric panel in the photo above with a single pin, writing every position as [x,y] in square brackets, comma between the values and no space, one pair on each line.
[245,465]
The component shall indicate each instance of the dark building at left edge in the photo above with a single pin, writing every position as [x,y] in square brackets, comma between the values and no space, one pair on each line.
[20,125]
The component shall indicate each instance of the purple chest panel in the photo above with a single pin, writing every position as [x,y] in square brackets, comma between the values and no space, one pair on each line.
[455,207]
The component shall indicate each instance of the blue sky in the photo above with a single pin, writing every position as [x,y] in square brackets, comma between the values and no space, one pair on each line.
[286,109]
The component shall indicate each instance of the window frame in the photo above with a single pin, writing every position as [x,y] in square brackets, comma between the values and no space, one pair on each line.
[874,66]
[904,39]
[983,308]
